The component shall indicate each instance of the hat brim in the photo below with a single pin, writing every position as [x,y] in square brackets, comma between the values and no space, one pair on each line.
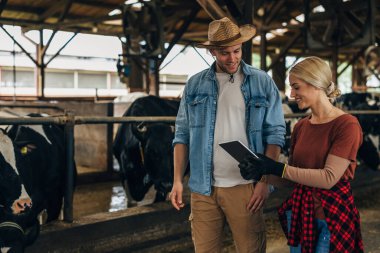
[246,32]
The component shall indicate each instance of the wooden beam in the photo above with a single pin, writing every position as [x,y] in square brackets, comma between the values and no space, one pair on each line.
[272,13]
[247,19]
[181,31]
[285,49]
[52,10]
[234,9]
[98,4]
[2,5]
[213,9]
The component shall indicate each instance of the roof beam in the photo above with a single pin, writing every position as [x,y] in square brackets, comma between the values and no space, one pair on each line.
[181,31]
[52,10]
[274,11]
[234,9]
[2,5]
[212,9]
[99,4]
[286,48]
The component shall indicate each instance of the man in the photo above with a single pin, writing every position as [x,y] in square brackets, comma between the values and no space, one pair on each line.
[229,101]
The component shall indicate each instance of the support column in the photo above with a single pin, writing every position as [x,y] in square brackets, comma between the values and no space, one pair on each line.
[263,51]
[279,73]
[248,17]
[40,67]
[334,67]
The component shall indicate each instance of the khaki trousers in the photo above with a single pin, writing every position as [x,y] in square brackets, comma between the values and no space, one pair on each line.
[210,213]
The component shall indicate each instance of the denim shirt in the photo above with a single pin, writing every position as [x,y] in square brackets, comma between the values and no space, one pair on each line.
[195,122]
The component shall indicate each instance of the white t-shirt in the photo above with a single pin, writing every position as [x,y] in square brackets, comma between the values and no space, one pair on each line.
[229,126]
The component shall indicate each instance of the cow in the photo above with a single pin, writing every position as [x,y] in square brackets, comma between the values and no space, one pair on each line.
[42,149]
[368,152]
[19,226]
[144,149]
[41,168]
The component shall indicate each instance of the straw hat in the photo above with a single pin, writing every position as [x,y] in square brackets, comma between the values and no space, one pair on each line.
[224,33]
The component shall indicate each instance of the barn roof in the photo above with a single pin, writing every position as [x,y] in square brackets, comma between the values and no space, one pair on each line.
[186,22]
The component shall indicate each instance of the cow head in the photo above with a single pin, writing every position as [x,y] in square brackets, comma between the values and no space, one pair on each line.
[157,152]
[13,195]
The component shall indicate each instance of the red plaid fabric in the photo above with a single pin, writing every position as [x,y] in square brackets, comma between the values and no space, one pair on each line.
[342,218]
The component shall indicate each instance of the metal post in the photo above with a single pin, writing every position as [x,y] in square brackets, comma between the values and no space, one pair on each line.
[110,126]
[69,189]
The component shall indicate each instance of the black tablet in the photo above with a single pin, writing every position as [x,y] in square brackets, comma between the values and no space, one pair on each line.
[237,150]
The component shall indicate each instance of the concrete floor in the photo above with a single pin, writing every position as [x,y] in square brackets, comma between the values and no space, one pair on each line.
[103,206]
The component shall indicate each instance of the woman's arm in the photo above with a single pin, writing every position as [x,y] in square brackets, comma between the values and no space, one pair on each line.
[325,178]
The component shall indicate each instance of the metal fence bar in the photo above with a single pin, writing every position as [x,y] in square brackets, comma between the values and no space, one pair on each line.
[70,121]
[78,120]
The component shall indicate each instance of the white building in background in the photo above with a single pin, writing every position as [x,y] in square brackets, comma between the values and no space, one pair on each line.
[85,67]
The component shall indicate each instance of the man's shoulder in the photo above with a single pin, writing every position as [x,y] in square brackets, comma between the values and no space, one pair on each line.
[250,70]
[200,75]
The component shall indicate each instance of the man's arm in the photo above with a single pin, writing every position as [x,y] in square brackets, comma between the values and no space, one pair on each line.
[261,191]
[181,158]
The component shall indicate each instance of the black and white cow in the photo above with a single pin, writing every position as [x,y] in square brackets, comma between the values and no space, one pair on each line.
[41,168]
[370,123]
[19,226]
[42,149]
[144,150]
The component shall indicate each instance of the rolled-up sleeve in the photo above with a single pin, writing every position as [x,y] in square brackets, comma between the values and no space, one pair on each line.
[181,124]
[274,123]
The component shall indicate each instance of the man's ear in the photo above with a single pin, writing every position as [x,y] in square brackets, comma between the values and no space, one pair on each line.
[212,52]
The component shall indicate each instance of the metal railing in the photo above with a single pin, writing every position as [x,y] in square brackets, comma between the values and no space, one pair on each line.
[69,121]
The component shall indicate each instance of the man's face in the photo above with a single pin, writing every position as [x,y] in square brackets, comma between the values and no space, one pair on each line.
[227,58]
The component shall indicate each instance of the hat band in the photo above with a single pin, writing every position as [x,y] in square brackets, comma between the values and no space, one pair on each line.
[221,42]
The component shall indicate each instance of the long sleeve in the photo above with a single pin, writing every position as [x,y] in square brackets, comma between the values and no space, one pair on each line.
[325,178]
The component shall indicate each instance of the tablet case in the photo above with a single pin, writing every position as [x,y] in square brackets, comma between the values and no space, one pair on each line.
[237,150]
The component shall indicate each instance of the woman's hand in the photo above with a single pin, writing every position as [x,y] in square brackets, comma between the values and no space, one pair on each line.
[253,168]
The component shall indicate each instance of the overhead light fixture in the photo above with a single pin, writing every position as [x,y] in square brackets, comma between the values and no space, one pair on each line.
[128,2]
[318,9]
[114,12]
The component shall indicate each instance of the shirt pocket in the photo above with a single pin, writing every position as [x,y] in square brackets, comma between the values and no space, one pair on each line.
[257,108]
[197,111]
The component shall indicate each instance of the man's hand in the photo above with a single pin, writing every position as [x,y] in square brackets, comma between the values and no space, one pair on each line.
[175,196]
[259,196]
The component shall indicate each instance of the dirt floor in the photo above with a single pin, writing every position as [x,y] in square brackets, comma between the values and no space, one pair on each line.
[366,189]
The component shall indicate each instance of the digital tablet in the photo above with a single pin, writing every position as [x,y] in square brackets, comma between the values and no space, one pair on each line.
[237,150]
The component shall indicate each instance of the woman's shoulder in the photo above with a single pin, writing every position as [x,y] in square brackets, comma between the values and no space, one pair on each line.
[347,123]
[347,118]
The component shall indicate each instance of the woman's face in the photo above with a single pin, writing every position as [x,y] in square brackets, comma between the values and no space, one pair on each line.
[303,93]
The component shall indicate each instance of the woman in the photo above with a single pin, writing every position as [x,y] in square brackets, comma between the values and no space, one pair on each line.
[320,215]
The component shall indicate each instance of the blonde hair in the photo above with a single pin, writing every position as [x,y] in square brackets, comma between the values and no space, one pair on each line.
[315,71]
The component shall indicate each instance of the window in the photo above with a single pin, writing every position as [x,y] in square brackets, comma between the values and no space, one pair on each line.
[92,80]
[59,80]
[23,78]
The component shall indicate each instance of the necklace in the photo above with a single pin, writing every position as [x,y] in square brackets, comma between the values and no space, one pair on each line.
[232,78]
[319,120]
[328,114]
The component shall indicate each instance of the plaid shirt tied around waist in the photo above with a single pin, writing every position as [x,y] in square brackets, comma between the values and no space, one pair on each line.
[342,218]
